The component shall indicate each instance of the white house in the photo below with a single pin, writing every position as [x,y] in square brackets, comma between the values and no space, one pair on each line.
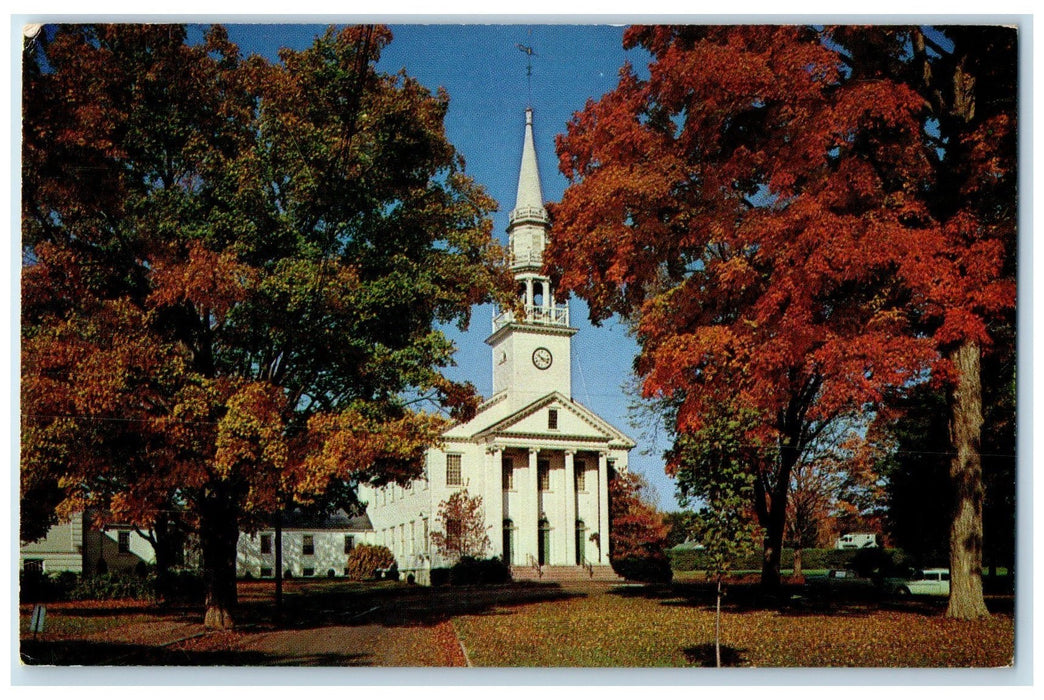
[77,547]
[540,460]
[312,546]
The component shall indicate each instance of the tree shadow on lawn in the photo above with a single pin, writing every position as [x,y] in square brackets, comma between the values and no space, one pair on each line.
[792,599]
[704,655]
[796,600]
[77,652]
[389,604]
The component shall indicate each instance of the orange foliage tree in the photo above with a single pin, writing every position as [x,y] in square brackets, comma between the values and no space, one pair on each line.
[232,274]
[637,529]
[798,219]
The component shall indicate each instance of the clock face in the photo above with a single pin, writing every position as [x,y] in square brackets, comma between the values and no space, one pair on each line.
[542,358]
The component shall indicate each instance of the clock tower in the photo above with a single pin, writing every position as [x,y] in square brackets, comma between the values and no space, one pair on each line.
[531,352]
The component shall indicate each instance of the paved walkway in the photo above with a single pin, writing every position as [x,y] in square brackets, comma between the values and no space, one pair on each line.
[340,645]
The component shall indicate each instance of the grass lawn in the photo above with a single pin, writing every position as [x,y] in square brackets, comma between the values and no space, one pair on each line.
[337,623]
[635,627]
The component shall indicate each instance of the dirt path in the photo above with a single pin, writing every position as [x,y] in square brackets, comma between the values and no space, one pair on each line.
[337,645]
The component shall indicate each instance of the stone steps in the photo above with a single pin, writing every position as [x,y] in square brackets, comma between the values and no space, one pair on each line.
[603,574]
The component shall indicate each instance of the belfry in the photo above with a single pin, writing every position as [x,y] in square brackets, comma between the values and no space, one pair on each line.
[540,461]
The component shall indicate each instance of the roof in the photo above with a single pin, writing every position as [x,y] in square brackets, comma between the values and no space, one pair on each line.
[338,520]
[587,426]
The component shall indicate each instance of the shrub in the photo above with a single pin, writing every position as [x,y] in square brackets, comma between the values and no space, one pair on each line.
[114,586]
[651,569]
[470,571]
[184,585]
[38,587]
[439,576]
[365,559]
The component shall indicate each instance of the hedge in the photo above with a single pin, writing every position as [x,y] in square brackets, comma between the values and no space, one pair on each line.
[688,559]
[643,569]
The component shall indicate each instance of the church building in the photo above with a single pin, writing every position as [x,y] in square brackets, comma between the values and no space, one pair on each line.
[540,460]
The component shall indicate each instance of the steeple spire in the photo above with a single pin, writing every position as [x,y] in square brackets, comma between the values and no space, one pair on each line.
[529,194]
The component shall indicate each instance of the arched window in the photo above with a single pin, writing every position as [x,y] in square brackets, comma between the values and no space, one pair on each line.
[538,293]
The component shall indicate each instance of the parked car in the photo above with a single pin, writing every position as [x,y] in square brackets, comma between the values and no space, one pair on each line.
[844,582]
[926,582]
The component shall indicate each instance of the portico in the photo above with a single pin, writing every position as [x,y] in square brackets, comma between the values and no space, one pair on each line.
[550,501]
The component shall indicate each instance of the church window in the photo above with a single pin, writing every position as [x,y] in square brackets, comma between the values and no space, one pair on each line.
[266,544]
[308,545]
[33,566]
[453,529]
[123,542]
[509,474]
[552,419]
[581,481]
[349,543]
[544,476]
[453,475]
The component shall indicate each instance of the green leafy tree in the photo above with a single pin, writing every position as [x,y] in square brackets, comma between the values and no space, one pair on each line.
[233,275]
[711,470]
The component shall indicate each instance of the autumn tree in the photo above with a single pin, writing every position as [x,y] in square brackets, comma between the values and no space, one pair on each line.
[461,527]
[801,219]
[233,271]
[835,488]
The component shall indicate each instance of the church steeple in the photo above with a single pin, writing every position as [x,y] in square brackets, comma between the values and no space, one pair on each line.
[527,223]
[529,195]
[531,352]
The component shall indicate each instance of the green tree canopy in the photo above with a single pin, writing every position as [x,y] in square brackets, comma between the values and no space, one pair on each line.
[234,273]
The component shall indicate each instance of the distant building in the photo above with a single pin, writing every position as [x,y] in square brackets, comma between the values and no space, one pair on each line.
[540,460]
[312,546]
[857,540]
[78,548]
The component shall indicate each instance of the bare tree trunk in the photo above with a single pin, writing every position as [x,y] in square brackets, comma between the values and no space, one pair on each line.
[966,598]
[218,535]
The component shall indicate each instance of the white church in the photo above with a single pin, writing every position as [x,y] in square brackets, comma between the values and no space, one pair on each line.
[539,460]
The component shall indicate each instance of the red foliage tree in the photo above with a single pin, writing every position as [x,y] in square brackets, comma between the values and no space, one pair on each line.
[637,528]
[462,527]
[800,219]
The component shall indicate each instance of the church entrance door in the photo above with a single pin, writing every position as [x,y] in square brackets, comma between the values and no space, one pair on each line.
[544,542]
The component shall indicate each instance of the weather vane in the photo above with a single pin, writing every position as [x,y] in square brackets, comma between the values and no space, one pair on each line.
[528,51]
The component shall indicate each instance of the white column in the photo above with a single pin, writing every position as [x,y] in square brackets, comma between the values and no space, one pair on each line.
[494,502]
[603,508]
[530,525]
[529,293]
[570,510]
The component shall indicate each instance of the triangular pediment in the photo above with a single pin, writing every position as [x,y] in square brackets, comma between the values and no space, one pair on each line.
[575,422]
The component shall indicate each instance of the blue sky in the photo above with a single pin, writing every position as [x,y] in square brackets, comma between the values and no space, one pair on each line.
[484,73]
